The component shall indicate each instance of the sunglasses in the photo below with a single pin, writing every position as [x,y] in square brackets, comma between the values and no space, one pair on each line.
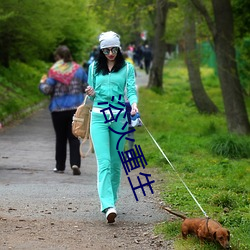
[106,51]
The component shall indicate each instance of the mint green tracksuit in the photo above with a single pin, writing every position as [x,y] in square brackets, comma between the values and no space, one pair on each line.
[104,140]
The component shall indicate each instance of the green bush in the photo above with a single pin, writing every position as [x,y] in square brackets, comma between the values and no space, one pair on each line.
[223,200]
[19,87]
[231,146]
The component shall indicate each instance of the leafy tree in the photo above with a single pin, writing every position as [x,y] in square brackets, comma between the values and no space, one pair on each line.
[78,29]
[21,34]
[126,17]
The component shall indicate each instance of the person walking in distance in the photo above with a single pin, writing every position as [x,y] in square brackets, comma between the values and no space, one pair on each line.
[65,84]
[147,54]
[108,78]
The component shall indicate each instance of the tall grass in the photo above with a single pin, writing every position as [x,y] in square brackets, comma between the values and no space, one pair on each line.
[214,164]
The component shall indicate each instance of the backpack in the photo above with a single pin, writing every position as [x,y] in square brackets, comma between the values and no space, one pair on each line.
[81,126]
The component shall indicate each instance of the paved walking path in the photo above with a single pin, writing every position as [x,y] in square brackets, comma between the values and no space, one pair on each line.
[30,190]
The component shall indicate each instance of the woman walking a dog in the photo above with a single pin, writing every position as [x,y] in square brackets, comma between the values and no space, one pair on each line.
[108,78]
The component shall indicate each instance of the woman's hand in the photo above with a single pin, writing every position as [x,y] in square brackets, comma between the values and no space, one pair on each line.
[134,109]
[43,79]
[90,91]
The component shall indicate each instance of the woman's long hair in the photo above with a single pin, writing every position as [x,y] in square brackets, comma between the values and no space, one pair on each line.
[102,66]
[63,52]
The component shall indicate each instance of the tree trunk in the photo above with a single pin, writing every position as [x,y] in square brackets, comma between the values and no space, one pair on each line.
[159,47]
[201,99]
[235,109]
[223,38]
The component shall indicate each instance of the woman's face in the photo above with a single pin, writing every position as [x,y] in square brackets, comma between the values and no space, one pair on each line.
[110,53]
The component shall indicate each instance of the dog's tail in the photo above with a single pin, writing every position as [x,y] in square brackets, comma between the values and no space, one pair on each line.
[175,213]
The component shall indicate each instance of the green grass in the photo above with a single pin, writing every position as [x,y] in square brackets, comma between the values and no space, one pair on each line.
[19,88]
[214,164]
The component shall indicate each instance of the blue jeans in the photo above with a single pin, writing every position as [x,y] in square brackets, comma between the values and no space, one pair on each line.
[108,160]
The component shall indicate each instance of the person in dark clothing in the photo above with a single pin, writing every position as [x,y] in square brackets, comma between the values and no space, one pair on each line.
[147,54]
[93,55]
[138,56]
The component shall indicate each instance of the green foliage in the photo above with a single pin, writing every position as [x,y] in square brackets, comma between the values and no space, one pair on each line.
[128,18]
[241,17]
[219,183]
[29,33]
[175,28]
[243,59]
[175,25]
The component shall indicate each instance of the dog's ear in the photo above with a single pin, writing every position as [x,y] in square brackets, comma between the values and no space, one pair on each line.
[228,237]
[214,235]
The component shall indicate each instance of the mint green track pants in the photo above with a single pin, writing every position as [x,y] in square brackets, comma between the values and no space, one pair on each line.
[108,161]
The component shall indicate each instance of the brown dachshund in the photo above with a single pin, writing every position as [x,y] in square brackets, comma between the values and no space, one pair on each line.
[204,229]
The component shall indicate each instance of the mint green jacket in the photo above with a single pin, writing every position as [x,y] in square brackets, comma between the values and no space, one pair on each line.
[114,84]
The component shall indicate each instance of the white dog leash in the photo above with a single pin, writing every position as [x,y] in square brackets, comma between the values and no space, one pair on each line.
[175,170]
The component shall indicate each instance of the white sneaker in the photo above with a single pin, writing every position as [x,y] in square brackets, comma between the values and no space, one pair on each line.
[111,214]
[58,171]
[76,170]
